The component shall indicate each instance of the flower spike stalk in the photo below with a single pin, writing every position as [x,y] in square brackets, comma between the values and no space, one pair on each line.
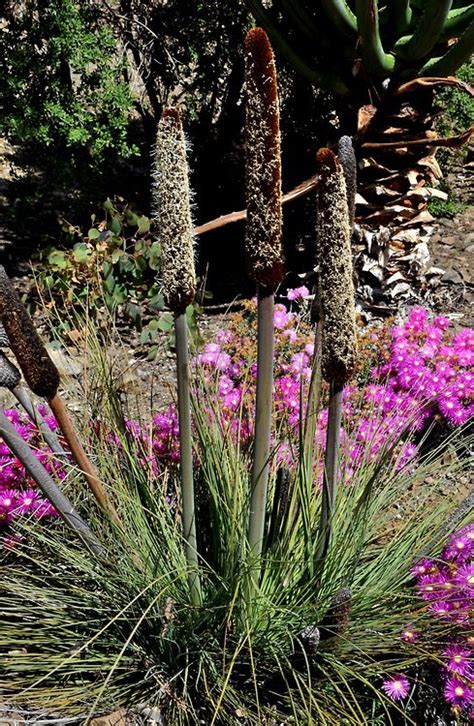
[172,209]
[338,318]
[10,378]
[42,377]
[263,251]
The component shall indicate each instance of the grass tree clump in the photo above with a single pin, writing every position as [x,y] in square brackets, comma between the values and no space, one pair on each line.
[172,208]
[263,249]
[164,621]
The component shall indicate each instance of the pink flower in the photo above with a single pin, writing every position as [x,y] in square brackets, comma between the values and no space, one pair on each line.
[458,693]
[298,293]
[459,660]
[396,687]
[409,634]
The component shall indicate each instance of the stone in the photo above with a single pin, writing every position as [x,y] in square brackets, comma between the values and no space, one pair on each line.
[117,718]
[452,276]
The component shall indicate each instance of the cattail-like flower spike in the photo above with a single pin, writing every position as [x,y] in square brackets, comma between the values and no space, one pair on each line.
[338,318]
[173,216]
[347,157]
[172,212]
[264,253]
[36,470]
[10,378]
[42,377]
[263,164]
[335,272]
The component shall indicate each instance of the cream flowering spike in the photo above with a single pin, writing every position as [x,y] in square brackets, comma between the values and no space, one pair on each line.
[263,163]
[172,212]
[335,272]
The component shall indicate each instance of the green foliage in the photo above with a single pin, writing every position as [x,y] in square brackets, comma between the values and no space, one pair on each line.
[62,81]
[445,208]
[457,107]
[116,263]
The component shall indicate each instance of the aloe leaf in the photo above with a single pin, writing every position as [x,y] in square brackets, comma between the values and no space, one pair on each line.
[376,60]
[457,22]
[427,32]
[458,54]
[342,17]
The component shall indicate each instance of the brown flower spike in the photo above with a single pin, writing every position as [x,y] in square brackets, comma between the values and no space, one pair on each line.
[335,271]
[172,211]
[263,175]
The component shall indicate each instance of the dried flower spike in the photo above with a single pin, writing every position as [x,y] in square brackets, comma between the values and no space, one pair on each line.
[263,170]
[335,272]
[346,155]
[38,369]
[172,212]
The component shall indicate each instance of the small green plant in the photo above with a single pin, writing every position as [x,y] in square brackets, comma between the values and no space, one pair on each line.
[446,208]
[457,107]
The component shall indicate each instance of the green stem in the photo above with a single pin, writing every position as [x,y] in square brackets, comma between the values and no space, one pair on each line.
[314,397]
[376,60]
[48,435]
[331,462]
[449,63]
[186,455]
[263,415]
[341,16]
[53,494]
[427,33]
[400,15]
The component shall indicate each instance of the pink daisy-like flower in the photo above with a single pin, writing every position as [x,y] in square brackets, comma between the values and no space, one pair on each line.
[7,499]
[458,692]
[396,687]
[423,567]
[409,634]
[464,578]
[459,660]
[459,547]
[298,293]
[26,501]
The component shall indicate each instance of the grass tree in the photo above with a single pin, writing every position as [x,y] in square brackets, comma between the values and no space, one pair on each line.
[172,208]
[263,250]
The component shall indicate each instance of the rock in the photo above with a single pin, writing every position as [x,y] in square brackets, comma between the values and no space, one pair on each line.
[117,718]
[452,276]
[66,364]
